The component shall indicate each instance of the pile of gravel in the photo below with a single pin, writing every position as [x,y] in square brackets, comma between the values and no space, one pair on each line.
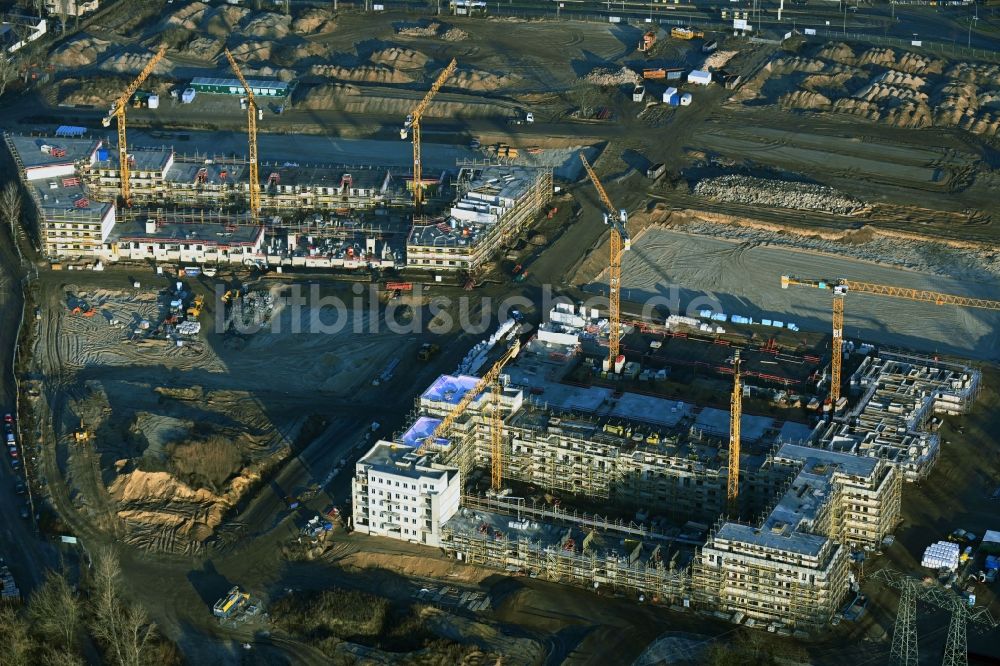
[777,194]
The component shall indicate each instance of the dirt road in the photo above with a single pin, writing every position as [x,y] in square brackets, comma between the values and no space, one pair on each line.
[745,279]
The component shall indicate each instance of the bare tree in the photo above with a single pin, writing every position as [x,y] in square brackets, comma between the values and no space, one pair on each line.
[10,205]
[8,70]
[17,644]
[54,611]
[125,629]
[55,657]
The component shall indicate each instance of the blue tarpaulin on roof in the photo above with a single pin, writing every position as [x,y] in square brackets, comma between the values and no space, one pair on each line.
[70,131]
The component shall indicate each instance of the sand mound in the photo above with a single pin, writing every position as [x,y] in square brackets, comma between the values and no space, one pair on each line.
[455,35]
[827,81]
[607,77]
[914,63]
[979,73]
[79,52]
[253,51]
[838,52]
[479,80]
[878,56]
[895,78]
[857,107]
[327,96]
[133,63]
[913,114]
[268,72]
[430,30]
[349,99]
[718,60]
[188,17]
[314,21]
[368,74]
[797,64]
[881,92]
[803,99]
[268,26]
[222,21]
[203,48]
[398,58]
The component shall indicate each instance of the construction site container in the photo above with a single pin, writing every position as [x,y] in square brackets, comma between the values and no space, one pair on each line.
[671,97]
[153,101]
[686,99]
[638,93]
[699,77]
[656,170]
[187,96]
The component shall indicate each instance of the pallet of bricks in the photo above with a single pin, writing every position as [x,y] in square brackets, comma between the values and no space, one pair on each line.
[9,594]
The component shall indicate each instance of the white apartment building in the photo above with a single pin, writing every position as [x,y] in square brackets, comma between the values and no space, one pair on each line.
[401,495]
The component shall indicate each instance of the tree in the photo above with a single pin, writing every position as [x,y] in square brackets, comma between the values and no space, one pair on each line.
[54,611]
[8,71]
[17,644]
[123,628]
[10,210]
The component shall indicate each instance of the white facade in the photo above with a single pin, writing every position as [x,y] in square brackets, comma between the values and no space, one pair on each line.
[401,495]
[50,171]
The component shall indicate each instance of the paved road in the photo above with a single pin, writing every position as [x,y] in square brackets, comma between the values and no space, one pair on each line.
[26,555]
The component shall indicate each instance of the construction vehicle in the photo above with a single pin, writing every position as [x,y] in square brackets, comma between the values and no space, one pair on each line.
[840,287]
[427,350]
[194,310]
[82,436]
[492,380]
[620,243]
[252,139]
[118,112]
[686,33]
[231,604]
[413,123]
[647,42]
[230,295]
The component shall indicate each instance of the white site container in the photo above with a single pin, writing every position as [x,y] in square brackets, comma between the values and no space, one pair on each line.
[700,77]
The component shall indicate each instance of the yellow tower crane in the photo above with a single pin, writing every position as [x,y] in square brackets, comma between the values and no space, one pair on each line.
[118,112]
[490,379]
[735,414]
[252,138]
[617,219]
[840,287]
[413,123]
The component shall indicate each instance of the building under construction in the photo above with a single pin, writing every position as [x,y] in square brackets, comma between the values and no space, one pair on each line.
[188,208]
[494,204]
[653,465]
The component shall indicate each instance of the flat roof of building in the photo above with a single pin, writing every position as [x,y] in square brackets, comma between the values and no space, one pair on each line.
[194,232]
[716,422]
[144,159]
[65,198]
[420,430]
[489,193]
[850,464]
[235,83]
[796,542]
[29,149]
[184,171]
[450,389]
[390,458]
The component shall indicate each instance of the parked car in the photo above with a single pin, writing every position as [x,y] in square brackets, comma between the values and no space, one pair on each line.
[8,418]
[20,488]
[12,450]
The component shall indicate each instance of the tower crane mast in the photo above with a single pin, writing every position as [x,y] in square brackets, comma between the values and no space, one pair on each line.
[617,219]
[252,139]
[840,287]
[491,379]
[735,414]
[118,112]
[413,123]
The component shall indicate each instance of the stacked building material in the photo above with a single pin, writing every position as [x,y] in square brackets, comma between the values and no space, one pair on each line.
[941,555]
